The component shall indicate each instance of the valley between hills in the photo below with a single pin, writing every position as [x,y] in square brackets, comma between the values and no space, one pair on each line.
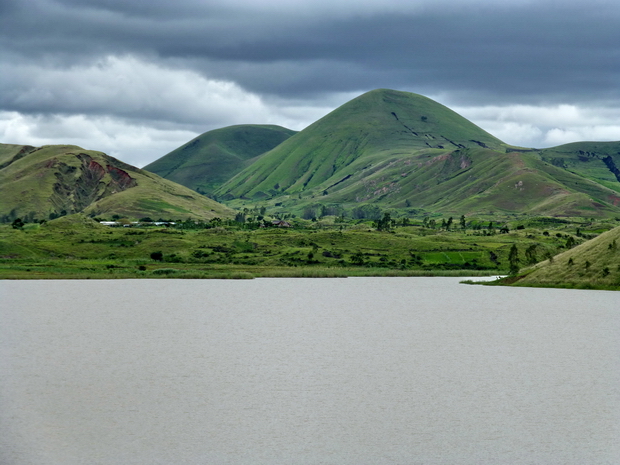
[390,183]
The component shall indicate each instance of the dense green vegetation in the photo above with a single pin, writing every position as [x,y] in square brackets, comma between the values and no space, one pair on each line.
[76,246]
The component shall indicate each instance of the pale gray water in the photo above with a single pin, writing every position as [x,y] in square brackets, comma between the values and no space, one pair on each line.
[307,371]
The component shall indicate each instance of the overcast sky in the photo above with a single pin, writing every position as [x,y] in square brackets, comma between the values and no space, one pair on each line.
[136,79]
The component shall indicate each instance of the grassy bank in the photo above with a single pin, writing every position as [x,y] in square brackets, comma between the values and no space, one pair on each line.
[77,269]
[79,248]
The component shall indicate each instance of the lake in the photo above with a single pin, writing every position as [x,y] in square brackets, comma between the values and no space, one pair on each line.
[307,371]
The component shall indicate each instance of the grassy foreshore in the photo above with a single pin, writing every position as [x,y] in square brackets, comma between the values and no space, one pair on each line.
[104,269]
[77,247]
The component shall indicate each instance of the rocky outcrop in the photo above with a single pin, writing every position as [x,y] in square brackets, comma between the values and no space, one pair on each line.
[120,178]
[609,162]
[77,188]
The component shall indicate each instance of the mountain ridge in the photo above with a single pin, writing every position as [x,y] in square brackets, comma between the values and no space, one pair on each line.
[55,180]
[317,155]
[210,159]
[403,150]
[386,149]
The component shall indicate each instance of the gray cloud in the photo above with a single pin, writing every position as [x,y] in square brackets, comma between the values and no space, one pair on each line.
[161,62]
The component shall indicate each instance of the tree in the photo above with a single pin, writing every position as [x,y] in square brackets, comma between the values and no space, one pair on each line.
[357,258]
[371,212]
[530,254]
[463,223]
[385,223]
[415,260]
[17,223]
[513,259]
[158,256]
[308,213]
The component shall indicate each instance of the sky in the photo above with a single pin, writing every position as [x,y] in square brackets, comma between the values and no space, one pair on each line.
[137,79]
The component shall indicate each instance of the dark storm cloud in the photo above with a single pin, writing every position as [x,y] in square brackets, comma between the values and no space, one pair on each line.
[192,64]
[535,51]
[504,55]
[531,51]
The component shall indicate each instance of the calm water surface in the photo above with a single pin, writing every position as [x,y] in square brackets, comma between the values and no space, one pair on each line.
[307,371]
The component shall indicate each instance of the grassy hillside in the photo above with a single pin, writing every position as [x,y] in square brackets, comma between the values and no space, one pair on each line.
[595,264]
[385,150]
[51,181]
[598,161]
[11,152]
[404,151]
[373,127]
[467,181]
[212,158]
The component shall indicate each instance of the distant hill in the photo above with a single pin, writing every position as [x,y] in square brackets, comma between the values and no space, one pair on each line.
[595,264]
[212,158]
[56,180]
[369,130]
[598,161]
[385,149]
[402,150]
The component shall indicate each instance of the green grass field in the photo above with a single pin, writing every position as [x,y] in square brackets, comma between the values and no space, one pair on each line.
[78,247]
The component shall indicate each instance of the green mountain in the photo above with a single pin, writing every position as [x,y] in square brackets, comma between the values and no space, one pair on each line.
[358,135]
[402,150]
[383,150]
[54,180]
[212,158]
[598,161]
[595,264]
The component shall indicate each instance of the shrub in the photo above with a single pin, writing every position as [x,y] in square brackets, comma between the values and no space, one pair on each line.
[165,271]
